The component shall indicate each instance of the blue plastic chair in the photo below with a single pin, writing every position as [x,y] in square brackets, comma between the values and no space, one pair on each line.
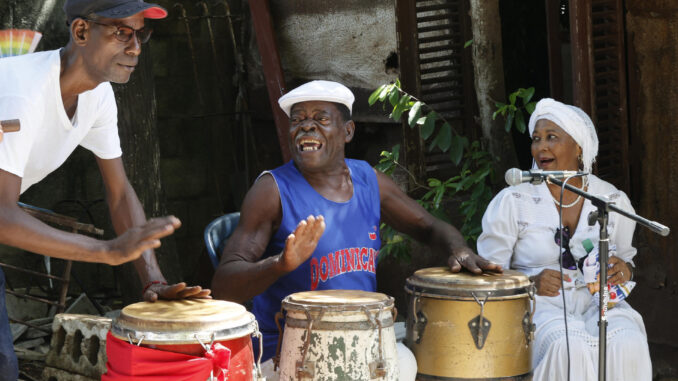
[217,233]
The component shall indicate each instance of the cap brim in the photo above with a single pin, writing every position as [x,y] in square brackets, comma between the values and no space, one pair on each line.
[150,11]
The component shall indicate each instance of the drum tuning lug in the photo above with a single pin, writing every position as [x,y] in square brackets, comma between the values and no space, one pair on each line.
[419,327]
[305,369]
[480,328]
[377,369]
[528,328]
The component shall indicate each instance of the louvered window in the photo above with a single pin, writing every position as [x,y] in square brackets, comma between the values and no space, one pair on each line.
[435,67]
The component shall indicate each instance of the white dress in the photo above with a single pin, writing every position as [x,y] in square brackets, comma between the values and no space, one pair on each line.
[519,227]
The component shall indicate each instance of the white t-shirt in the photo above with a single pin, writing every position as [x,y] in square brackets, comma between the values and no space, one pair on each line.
[30,91]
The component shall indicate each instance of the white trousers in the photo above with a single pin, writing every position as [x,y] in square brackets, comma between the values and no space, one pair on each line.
[406,362]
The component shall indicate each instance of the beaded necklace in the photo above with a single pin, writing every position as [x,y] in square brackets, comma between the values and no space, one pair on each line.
[584,185]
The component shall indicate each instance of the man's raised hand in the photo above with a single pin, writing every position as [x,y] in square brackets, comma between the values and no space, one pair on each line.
[302,242]
[130,245]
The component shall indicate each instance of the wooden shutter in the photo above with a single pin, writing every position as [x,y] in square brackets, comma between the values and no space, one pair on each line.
[599,80]
[609,81]
[436,68]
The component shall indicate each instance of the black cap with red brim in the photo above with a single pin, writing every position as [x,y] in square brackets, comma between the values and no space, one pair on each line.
[115,9]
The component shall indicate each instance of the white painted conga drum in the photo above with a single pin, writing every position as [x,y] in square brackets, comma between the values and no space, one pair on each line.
[462,326]
[338,335]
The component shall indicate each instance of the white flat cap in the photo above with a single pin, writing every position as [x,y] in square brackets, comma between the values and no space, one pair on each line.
[317,91]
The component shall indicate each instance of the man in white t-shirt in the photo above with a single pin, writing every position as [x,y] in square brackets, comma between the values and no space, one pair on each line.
[63,99]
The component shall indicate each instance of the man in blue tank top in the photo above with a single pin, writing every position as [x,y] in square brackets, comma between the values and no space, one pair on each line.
[313,223]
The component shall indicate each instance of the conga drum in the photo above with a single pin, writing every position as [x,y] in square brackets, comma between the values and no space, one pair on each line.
[189,327]
[338,335]
[464,326]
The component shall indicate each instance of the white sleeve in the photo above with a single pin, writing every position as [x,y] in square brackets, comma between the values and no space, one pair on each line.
[500,231]
[16,146]
[622,235]
[103,139]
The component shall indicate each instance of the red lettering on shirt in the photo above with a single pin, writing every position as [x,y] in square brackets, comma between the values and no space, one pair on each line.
[324,269]
[363,254]
[314,274]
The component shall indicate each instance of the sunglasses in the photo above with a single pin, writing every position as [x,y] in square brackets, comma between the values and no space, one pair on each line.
[124,33]
[568,261]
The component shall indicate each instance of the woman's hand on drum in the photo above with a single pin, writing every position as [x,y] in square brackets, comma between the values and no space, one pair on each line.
[464,257]
[301,243]
[548,282]
[174,291]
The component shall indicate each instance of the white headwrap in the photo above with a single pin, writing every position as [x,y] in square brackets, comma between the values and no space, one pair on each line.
[572,120]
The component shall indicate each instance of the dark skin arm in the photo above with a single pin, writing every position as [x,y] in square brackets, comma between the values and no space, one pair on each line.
[548,281]
[18,229]
[242,274]
[127,213]
[407,216]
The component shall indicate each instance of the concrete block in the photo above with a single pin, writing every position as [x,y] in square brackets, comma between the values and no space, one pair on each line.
[54,374]
[79,344]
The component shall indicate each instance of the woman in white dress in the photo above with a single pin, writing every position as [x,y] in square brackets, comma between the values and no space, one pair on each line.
[520,231]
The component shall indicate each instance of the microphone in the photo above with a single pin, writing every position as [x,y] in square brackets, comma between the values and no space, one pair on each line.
[515,176]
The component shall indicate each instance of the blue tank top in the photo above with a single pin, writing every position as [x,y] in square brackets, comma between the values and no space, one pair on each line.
[346,255]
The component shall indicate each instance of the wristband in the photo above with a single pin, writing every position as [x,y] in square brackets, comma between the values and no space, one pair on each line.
[149,284]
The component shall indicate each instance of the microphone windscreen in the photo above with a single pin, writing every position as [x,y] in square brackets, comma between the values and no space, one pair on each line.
[514,176]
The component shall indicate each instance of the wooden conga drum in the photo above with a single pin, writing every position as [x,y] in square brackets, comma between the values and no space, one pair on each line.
[187,326]
[464,326]
[338,335]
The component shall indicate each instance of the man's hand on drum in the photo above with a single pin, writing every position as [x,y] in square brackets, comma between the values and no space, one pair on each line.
[464,257]
[301,243]
[160,290]
[136,240]
[548,282]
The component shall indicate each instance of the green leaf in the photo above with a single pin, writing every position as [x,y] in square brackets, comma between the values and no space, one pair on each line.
[375,95]
[396,152]
[414,114]
[509,121]
[457,149]
[527,94]
[445,137]
[433,182]
[394,97]
[530,107]
[520,122]
[429,125]
[384,92]
[512,98]
[400,108]
[468,43]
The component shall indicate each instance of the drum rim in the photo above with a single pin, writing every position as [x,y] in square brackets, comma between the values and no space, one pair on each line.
[160,337]
[441,287]
[317,306]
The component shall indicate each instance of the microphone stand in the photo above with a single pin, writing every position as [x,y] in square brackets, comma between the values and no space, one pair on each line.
[601,215]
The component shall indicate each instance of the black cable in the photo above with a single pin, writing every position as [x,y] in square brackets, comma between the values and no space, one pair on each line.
[560,262]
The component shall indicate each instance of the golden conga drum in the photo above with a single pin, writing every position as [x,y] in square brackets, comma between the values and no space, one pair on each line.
[190,326]
[464,326]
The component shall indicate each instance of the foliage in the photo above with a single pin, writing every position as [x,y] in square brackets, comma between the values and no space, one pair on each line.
[472,185]
[512,113]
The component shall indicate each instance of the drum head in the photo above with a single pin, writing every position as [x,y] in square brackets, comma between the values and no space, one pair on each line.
[177,321]
[441,281]
[349,299]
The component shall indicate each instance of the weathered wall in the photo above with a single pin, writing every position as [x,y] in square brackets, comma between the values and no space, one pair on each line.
[352,42]
[652,33]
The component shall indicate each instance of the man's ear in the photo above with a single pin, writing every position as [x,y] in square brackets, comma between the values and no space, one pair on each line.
[349,127]
[80,31]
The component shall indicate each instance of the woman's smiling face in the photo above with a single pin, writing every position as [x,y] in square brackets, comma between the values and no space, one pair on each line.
[553,149]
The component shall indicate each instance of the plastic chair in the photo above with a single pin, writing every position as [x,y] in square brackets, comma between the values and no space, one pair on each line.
[217,233]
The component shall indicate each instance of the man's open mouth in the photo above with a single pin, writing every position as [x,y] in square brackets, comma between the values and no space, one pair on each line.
[309,144]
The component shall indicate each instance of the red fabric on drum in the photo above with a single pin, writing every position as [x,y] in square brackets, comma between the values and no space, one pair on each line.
[127,362]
